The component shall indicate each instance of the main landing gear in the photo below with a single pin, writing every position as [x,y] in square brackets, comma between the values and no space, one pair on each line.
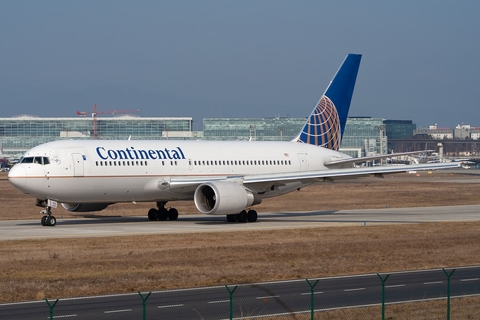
[162,213]
[244,216]
[47,220]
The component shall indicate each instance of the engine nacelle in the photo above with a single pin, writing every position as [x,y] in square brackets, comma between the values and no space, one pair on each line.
[84,207]
[221,197]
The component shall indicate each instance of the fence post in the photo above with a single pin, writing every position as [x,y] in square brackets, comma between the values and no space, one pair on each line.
[312,298]
[449,275]
[231,300]
[383,293]
[144,304]
[51,308]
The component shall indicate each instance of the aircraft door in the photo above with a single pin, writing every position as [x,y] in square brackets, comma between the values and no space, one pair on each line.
[77,164]
[303,161]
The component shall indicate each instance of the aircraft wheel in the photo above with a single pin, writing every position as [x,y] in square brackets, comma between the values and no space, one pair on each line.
[231,217]
[162,214]
[44,220]
[51,221]
[172,214]
[242,216]
[152,214]
[252,216]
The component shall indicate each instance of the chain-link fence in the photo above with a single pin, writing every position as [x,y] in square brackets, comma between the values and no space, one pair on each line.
[414,295]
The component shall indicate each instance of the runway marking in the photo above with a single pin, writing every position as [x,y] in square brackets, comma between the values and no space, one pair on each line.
[171,306]
[433,282]
[219,301]
[65,316]
[395,286]
[473,279]
[116,311]
[266,297]
[356,289]
[307,293]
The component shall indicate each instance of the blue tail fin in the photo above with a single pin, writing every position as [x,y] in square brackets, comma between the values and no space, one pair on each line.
[326,123]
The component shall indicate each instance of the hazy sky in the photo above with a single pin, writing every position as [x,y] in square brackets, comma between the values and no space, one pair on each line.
[421,59]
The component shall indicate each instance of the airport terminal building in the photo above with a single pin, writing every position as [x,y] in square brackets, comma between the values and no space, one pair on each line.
[18,134]
[363,135]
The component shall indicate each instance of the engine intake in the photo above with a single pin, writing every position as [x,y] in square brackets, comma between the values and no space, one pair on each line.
[221,197]
[84,207]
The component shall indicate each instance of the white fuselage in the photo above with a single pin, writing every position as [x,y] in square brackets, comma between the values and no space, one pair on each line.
[128,170]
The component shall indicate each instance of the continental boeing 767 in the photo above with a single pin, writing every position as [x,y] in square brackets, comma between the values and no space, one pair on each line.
[222,178]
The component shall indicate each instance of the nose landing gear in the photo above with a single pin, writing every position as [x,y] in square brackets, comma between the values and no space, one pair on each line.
[47,220]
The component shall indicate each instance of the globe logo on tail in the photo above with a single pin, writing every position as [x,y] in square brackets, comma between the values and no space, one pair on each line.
[323,127]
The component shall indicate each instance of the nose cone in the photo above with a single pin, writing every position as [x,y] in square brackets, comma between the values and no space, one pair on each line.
[17,177]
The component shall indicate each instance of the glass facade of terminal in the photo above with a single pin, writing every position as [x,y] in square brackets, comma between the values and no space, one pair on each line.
[22,133]
[399,129]
[365,133]
[257,129]
[362,136]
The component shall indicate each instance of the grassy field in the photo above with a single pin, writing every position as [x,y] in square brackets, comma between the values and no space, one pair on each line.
[34,270]
[77,267]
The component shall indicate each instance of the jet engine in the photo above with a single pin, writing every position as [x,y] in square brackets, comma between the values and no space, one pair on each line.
[84,207]
[221,197]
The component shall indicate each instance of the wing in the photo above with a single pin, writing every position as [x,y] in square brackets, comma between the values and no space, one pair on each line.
[334,174]
[263,182]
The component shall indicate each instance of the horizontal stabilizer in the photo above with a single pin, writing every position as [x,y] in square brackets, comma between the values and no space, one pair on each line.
[343,162]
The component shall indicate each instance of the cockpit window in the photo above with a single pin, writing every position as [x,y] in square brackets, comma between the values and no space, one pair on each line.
[37,160]
[27,160]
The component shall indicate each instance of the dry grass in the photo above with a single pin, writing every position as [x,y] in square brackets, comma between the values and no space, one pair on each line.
[76,267]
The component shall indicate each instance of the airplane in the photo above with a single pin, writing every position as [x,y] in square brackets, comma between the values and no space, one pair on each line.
[221,177]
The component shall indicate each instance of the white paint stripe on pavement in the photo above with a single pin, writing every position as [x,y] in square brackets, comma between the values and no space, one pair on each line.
[356,289]
[115,311]
[219,301]
[267,297]
[307,293]
[171,306]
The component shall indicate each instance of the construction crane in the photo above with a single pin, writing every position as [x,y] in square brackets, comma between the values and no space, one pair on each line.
[95,112]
